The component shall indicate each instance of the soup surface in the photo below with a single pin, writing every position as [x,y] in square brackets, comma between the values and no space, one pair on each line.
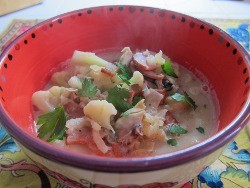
[124,105]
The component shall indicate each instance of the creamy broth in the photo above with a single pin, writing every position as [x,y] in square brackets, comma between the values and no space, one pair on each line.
[205,115]
[165,104]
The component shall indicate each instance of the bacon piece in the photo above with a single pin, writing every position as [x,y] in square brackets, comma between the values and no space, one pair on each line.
[159,84]
[153,75]
[83,137]
[169,118]
[136,90]
[149,84]
[140,62]
[108,72]
[163,92]
[132,94]
[141,65]
[119,150]
[73,110]
[116,150]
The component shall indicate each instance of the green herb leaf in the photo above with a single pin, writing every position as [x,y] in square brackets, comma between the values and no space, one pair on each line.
[168,69]
[88,88]
[136,100]
[172,142]
[124,114]
[201,130]
[190,100]
[124,73]
[177,129]
[184,98]
[117,97]
[52,125]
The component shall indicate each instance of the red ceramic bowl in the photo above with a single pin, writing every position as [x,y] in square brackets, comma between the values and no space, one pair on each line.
[27,62]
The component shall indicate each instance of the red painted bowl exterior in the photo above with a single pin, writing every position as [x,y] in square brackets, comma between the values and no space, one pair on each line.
[28,62]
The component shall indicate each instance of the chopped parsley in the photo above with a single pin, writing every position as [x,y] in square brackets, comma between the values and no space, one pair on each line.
[88,88]
[177,129]
[117,96]
[52,125]
[168,69]
[124,73]
[136,100]
[185,98]
[201,130]
[124,114]
[172,142]
[127,113]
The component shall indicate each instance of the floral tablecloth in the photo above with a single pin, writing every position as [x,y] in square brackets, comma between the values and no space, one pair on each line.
[231,170]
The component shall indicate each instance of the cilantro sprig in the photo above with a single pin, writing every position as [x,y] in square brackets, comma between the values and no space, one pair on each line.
[88,88]
[124,73]
[184,98]
[136,100]
[172,142]
[125,114]
[117,96]
[177,129]
[201,130]
[168,69]
[52,125]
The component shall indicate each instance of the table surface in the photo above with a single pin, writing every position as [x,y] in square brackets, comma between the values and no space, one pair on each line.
[225,9]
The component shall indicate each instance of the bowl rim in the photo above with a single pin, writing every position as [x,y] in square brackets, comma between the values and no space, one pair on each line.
[126,165]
